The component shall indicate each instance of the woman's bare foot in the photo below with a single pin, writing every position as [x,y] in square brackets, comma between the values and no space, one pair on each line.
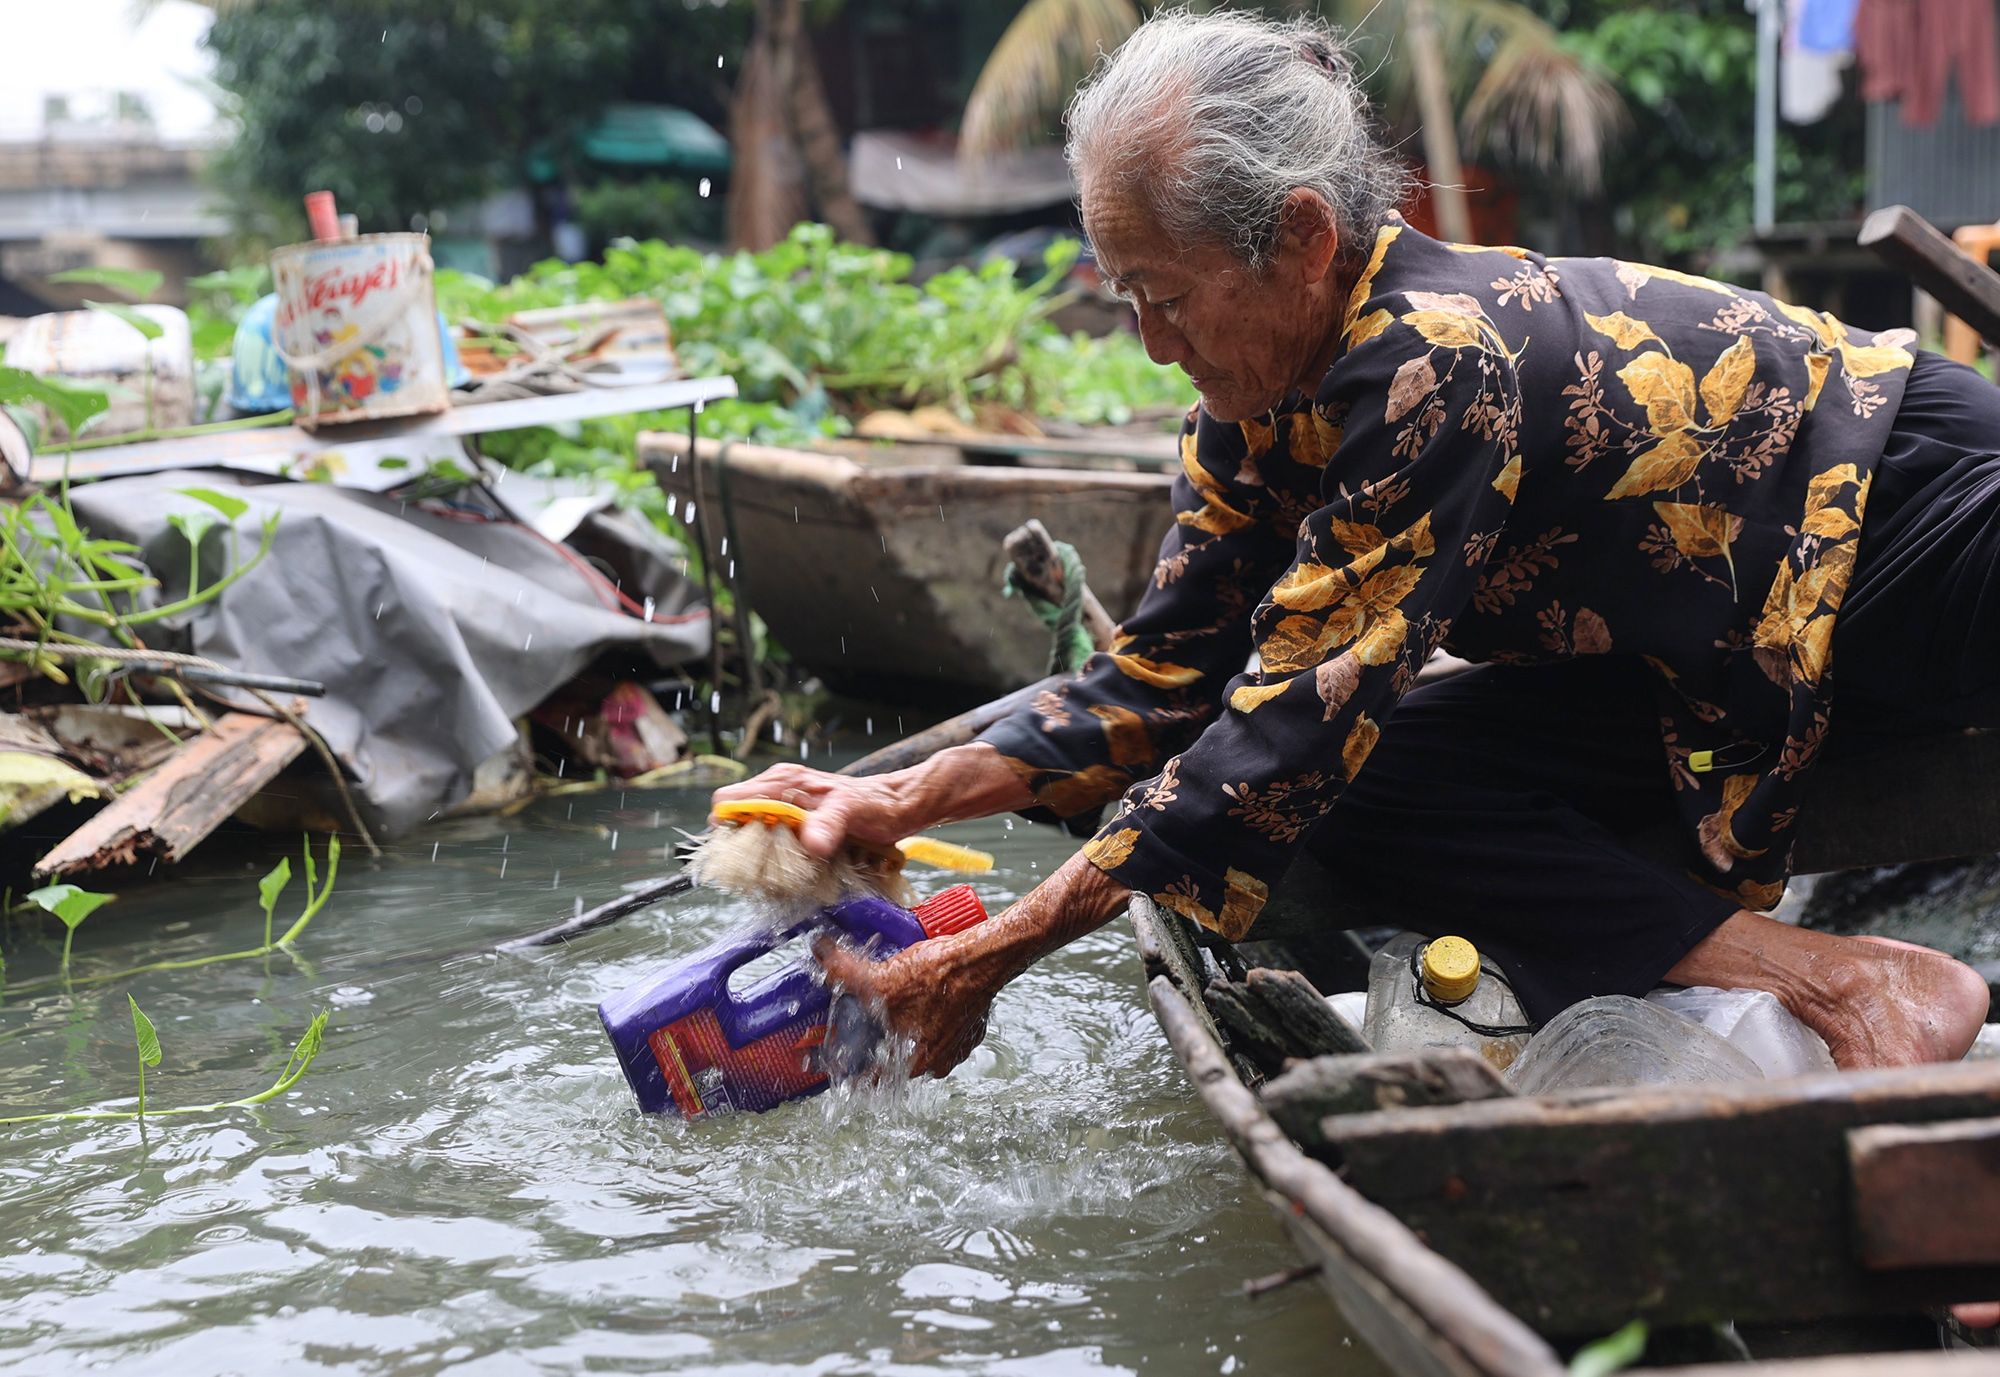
[1876,1001]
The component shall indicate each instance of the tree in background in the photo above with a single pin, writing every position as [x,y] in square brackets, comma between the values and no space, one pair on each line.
[1547,87]
[1523,94]
[1681,188]
[403,108]
[1035,67]
[789,159]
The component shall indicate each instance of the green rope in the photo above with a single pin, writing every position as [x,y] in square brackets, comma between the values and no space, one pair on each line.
[1069,645]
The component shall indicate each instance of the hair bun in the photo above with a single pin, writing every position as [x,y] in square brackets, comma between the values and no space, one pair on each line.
[1328,57]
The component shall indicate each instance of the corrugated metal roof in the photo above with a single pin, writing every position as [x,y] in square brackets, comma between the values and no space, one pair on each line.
[1949,173]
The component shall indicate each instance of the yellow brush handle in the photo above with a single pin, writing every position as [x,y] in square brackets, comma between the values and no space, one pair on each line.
[944,855]
[927,850]
[761,810]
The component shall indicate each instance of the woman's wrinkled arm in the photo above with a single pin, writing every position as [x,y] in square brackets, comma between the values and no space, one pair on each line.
[937,994]
[1237,502]
[962,782]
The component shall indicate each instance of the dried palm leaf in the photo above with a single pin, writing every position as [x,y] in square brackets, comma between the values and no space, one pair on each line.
[1049,48]
[1527,98]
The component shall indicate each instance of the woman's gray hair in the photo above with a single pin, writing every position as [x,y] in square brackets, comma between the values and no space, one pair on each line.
[1217,118]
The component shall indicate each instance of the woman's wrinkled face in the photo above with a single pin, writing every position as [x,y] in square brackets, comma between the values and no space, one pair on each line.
[1245,339]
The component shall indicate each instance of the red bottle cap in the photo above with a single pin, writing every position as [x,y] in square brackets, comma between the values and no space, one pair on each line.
[955,910]
[322,218]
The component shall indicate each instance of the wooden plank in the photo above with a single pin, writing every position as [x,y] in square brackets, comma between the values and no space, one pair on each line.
[1927,1195]
[1442,1322]
[1309,1093]
[1961,1363]
[1400,1336]
[1961,341]
[169,812]
[1912,246]
[1301,1013]
[276,448]
[1676,1204]
[1164,950]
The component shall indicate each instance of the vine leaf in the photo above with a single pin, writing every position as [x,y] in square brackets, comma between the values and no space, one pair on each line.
[230,507]
[142,1030]
[131,315]
[137,283]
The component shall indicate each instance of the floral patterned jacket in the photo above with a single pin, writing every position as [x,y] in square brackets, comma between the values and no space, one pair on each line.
[1520,459]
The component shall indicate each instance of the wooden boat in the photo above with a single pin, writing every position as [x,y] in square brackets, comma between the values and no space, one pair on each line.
[886,579]
[1463,1230]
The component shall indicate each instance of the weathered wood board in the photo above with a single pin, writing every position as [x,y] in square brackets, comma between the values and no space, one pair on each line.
[1421,1313]
[170,811]
[1927,1195]
[1678,1204]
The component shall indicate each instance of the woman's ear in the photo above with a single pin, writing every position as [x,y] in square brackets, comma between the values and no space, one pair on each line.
[1309,234]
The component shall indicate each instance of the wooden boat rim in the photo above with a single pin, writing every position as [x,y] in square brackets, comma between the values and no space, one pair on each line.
[839,471]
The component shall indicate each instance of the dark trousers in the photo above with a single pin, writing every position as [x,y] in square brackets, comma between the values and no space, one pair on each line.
[1502,805]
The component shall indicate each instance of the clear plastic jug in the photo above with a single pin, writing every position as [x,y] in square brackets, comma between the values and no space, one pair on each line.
[1442,993]
[1756,1024]
[1619,1040]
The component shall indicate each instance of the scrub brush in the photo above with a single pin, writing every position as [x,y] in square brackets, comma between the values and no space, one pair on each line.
[755,853]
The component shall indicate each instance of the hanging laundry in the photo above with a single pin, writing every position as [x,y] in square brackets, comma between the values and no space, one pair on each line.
[1911,49]
[1808,78]
[1821,26]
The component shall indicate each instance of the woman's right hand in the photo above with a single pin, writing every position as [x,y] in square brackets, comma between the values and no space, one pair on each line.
[962,782]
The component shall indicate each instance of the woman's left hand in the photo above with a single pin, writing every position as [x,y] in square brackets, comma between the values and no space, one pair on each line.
[937,994]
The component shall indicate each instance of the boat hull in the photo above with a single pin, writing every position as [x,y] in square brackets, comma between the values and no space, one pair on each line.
[887,580]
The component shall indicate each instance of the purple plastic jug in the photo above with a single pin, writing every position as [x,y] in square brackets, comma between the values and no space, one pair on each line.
[692,1047]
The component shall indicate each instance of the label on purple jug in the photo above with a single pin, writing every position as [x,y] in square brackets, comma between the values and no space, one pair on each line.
[707,1076]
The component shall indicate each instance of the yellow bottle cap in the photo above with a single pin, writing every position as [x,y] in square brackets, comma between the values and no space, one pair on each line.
[1451,969]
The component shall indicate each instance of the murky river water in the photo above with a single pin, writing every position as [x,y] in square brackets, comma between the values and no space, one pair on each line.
[462,1182]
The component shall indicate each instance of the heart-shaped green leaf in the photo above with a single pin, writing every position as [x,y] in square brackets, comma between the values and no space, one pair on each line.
[231,507]
[193,525]
[69,903]
[142,1031]
[74,403]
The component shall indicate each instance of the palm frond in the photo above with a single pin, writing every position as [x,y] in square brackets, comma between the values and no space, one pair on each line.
[1045,52]
[1521,93]
[1536,102]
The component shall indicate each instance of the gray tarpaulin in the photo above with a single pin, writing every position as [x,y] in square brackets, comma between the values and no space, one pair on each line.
[432,626]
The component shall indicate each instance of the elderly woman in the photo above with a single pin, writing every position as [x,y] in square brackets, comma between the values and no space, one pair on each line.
[1657,509]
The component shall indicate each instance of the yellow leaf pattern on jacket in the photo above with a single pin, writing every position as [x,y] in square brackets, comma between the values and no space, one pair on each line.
[1519,458]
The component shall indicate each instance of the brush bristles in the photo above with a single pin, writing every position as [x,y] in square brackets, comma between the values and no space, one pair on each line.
[767,862]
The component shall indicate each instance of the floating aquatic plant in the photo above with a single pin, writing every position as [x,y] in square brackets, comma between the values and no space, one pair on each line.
[303,1054]
[148,1043]
[72,905]
[268,890]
